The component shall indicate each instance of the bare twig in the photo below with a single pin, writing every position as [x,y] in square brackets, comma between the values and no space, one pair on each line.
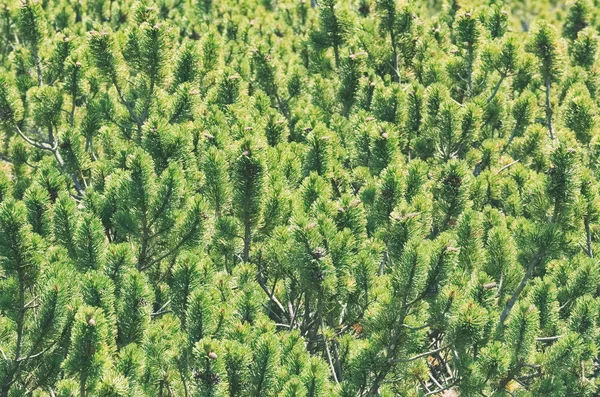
[418,356]
[449,386]
[508,166]
[548,339]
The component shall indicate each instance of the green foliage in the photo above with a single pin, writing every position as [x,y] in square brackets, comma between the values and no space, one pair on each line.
[579,114]
[544,45]
[335,27]
[584,49]
[88,353]
[578,18]
[248,182]
[292,198]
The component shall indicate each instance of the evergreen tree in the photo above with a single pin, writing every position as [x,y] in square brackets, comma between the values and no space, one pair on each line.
[467,35]
[578,18]
[584,49]
[248,176]
[335,26]
[544,45]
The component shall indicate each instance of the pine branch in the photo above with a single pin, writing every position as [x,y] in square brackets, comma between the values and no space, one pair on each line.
[127,105]
[507,166]
[588,237]
[273,298]
[549,110]
[418,356]
[449,386]
[31,356]
[162,310]
[496,88]
[54,150]
[515,296]
[39,145]
[173,250]
[549,338]
[328,353]
[37,61]
[11,373]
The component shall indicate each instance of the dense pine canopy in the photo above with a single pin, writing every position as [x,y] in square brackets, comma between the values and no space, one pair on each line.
[277,198]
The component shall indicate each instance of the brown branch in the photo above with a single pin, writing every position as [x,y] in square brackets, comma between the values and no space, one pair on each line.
[418,356]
